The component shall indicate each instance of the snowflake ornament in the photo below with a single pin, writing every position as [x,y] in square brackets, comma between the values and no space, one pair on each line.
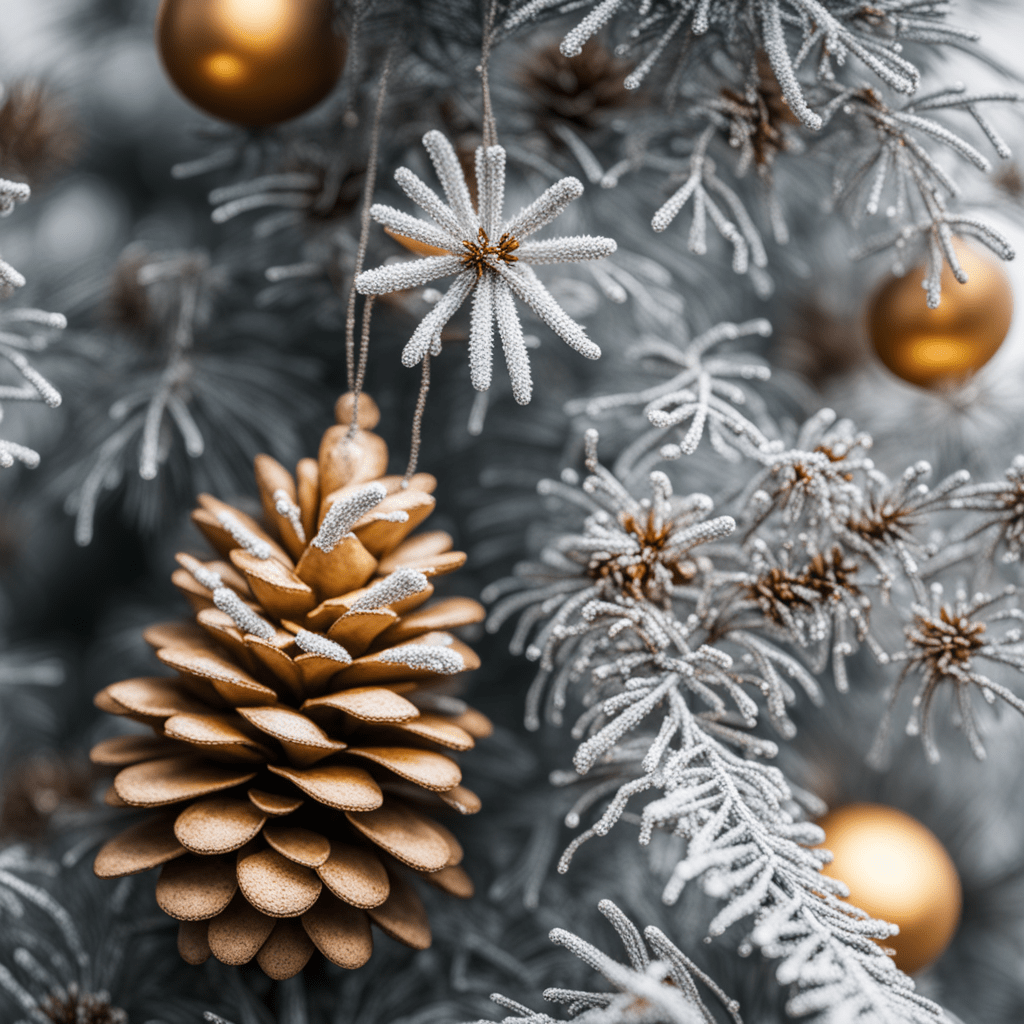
[490,258]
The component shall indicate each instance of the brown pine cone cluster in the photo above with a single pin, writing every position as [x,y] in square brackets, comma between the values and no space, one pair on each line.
[305,733]
[580,91]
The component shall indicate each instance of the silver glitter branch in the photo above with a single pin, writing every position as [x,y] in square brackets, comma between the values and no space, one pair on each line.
[490,258]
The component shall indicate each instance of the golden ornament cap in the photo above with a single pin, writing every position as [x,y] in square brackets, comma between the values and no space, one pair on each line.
[896,870]
[251,62]
[933,347]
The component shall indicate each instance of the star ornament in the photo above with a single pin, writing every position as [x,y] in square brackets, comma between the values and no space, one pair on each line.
[490,257]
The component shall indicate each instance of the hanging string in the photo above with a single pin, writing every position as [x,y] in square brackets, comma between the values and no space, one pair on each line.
[364,351]
[490,138]
[490,127]
[354,64]
[364,229]
[417,422]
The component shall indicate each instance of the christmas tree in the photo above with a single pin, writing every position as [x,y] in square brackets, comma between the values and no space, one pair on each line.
[512,510]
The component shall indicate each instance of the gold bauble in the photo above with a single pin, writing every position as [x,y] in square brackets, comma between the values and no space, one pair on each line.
[253,62]
[932,347]
[898,871]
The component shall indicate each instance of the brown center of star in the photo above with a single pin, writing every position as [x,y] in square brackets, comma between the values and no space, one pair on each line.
[481,253]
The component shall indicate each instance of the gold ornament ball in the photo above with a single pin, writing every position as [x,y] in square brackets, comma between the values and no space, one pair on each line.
[252,62]
[932,347]
[898,871]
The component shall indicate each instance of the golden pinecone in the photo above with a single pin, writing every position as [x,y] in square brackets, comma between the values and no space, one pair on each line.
[304,720]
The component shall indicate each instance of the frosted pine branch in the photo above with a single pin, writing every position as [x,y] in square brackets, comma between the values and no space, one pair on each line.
[759,76]
[958,645]
[630,550]
[11,194]
[747,845]
[794,34]
[1001,519]
[898,175]
[53,969]
[658,984]
[796,595]
[680,634]
[747,849]
[703,393]
[142,418]
[699,185]
[827,481]
[21,331]
[182,409]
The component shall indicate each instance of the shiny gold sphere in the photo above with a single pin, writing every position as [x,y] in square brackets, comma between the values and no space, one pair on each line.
[253,62]
[896,870]
[933,347]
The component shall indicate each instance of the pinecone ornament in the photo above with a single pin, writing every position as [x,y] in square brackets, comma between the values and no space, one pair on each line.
[302,736]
